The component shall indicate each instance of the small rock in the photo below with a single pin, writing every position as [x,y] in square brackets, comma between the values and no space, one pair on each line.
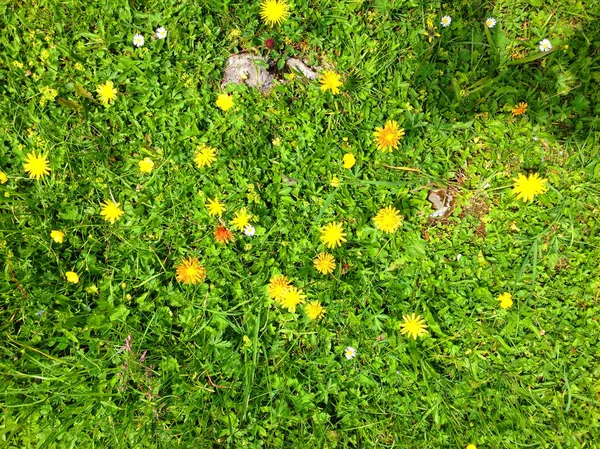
[255,71]
[249,69]
[442,201]
[298,66]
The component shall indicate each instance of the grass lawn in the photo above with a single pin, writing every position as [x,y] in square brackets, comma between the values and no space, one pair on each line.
[188,264]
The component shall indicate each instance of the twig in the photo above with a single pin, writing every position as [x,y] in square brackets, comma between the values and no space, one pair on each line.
[403,168]
[33,349]
[214,384]
[15,278]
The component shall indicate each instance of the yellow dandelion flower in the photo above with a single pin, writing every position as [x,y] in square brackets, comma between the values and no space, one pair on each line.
[72,277]
[414,326]
[277,285]
[3,178]
[146,165]
[505,300]
[57,236]
[335,182]
[241,220]
[314,310]
[106,92]
[527,187]
[333,235]
[190,271]
[330,81]
[388,220]
[111,211]
[205,156]
[36,166]
[291,297]
[324,263]
[349,160]
[387,138]
[224,101]
[519,109]
[215,207]
[471,446]
[274,12]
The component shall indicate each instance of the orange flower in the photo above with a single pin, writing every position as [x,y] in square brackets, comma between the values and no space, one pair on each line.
[223,235]
[519,109]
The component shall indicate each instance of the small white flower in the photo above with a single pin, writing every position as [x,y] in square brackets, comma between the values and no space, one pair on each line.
[458,256]
[490,22]
[161,33]
[138,40]
[536,138]
[350,352]
[545,45]
[446,21]
[249,230]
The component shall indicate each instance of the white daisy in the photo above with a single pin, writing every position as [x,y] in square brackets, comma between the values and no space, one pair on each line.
[138,40]
[161,33]
[545,45]
[350,352]
[249,230]
[490,22]
[446,21]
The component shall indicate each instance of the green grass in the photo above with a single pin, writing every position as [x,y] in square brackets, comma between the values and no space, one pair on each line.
[223,365]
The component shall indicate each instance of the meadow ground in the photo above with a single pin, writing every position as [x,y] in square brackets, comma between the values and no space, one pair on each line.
[108,341]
